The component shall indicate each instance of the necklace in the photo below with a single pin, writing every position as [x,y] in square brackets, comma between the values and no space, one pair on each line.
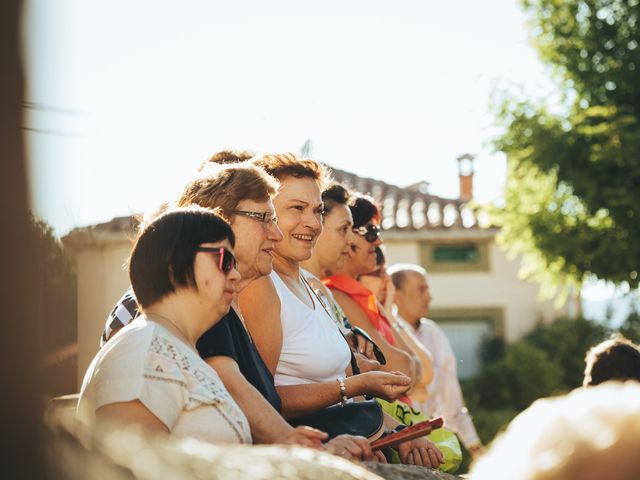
[164,321]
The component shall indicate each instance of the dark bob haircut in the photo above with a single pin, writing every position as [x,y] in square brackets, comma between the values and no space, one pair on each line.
[364,209]
[335,194]
[162,257]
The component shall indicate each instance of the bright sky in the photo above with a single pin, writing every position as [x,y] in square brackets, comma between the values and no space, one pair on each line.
[140,92]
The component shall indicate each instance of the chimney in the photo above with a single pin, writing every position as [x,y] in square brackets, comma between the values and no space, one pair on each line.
[465,174]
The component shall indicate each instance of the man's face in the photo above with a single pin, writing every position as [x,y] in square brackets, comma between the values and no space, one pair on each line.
[414,296]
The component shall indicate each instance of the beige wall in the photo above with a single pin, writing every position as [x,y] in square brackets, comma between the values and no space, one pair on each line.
[102,279]
[497,288]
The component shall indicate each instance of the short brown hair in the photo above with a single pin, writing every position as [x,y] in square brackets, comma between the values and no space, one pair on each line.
[225,157]
[283,165]
[613,359]
[226,186]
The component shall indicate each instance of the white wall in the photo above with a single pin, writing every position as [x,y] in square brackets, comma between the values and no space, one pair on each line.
[499,287]
[102,279]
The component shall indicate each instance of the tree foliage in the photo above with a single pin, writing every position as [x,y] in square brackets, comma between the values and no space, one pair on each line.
[572,203]
[55,291]
[549,360]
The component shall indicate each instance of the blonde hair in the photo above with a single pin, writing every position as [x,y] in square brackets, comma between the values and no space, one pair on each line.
[283,165]
[590,433]
[224,186]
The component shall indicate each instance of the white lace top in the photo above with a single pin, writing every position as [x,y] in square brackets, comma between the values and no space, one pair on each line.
[146,362]
[313,349]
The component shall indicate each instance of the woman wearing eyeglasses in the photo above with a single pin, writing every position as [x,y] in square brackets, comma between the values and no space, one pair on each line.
[184,276]
[361,306]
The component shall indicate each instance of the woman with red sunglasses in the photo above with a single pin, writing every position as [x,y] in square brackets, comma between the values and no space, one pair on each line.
[184,276]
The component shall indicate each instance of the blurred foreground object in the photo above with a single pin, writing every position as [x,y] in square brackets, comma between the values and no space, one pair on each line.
[117,453]
[591,433]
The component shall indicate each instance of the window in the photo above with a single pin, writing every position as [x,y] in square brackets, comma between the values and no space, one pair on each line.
[454,256]
[455,253]
[466,329]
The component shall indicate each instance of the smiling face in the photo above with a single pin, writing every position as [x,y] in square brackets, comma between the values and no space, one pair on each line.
[215,289]
[332,248]
[255,240]
[299,208]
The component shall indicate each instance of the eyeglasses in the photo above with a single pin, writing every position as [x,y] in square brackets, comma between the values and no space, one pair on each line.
[227,261]
[370,232]
[266,218]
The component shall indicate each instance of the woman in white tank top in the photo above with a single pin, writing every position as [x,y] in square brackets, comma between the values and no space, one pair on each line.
[293,331]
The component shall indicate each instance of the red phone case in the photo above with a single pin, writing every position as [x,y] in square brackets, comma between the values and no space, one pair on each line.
[415,431]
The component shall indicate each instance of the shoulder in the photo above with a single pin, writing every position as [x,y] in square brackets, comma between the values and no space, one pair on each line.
[344,299]
[262,287]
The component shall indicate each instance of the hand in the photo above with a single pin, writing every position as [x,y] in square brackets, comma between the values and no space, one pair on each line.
[365,364]
[305,436]
[360,345]
[476,450]
[352,448]
[420,452]
[386,385]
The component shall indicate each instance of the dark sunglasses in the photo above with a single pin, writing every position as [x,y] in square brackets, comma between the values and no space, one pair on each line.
[370,232]
[227,261]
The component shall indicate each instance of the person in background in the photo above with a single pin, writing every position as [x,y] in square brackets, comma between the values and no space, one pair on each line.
[444,396]
[589,434]
[330,253]
[615,359]
[360,304]
[380,283]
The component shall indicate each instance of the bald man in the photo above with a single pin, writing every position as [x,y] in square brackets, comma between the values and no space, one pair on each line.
[412,298]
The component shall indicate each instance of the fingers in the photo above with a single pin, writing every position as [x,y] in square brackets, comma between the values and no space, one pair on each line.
[434,459]
[439,454]
[379,456]
[312,433]
[425,458]
[351,447]
[368,351]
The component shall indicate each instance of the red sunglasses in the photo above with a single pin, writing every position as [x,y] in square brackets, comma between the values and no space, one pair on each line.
[227,261]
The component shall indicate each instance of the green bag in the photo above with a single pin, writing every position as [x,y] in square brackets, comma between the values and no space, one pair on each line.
[443,438]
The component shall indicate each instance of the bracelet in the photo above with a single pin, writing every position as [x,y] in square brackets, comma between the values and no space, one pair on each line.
[397,326]
[343,391]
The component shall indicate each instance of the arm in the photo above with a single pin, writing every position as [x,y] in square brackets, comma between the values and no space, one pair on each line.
[260,307]
[132,412]
[267,426]
[298,400]
[397,360]
[408,342]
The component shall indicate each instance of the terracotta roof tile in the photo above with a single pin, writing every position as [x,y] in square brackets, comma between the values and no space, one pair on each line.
[411,208]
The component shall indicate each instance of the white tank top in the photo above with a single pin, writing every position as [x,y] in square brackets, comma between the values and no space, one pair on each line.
[313,349]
